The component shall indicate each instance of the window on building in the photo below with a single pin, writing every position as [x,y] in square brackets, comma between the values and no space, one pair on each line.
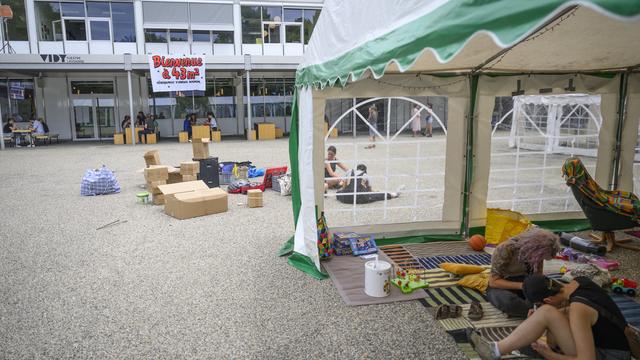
[92,87]
[75,30]
[269,24]
[123,23]
[222,37]
[201,36]
[178,35]
[310,21]
[59,21]
[72,9]
[49,21]
[155,35]
[251,25]
[21,104]
[165,14]
[98,9]
[17,27]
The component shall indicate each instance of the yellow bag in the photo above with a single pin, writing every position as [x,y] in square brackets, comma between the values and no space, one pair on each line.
[503,224]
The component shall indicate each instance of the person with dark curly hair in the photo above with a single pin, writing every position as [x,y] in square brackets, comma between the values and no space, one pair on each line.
[511,262]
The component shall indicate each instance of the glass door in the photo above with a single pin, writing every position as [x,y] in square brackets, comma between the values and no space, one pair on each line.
[84,119]
[105,114]
[94,118]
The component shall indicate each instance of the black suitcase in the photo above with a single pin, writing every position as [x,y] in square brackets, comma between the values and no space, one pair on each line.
[209,171]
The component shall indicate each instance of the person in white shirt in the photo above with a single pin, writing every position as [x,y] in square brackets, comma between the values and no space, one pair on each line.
[211,121]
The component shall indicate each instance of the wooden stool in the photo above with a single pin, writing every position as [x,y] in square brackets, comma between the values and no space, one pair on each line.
[118,138]
[216,136]
[252,135]
[183,137]
[151,138]
[279,133]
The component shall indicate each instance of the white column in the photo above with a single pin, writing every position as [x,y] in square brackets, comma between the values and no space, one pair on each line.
[1,131]
[248,106]
[137,11]
[32,31]
[239,104]
[237,27]
[133,122]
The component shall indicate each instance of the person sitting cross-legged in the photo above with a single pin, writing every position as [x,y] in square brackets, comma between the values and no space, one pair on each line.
[580,321]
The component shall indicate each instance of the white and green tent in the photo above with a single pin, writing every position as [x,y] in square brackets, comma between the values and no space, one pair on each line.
[470,51]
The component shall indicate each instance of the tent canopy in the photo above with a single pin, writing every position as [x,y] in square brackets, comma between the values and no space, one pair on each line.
[354,37]
[470,51]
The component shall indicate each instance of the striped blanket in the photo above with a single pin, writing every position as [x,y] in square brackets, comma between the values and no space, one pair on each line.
[458,295]
[472,259]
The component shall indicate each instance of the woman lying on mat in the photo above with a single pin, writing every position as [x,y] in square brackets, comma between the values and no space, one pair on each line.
[514,259]
[580,319]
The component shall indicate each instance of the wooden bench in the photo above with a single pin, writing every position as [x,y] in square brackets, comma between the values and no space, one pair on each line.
[45,138]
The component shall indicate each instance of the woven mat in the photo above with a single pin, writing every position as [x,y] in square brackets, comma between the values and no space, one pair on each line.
[457,295]
[347,274]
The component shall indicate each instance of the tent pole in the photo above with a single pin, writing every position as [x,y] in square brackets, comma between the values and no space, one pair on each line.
[622,107]
[468,172]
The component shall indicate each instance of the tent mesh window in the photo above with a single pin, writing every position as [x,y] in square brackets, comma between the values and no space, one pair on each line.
[414,166]
[529,144]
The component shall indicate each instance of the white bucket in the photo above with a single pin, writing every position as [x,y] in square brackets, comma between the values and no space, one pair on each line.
[377,278]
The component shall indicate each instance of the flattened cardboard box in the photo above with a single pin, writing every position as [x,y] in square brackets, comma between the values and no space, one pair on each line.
[186,205]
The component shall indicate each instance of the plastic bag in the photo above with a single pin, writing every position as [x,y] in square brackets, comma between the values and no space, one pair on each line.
[99,182]
[504,224]
[285,184]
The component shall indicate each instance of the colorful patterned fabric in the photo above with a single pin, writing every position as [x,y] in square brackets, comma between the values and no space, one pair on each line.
[620,202]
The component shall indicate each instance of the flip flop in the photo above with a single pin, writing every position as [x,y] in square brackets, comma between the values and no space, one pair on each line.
[475,311]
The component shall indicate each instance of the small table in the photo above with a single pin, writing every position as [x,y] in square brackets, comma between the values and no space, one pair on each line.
[23,132]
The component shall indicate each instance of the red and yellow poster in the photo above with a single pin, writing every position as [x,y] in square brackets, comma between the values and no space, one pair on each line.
[177,72]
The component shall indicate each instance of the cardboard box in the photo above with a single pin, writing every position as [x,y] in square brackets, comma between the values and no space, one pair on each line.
[152,157]
[254,198]
[216,136]
[189,167]
[266,131]
[334,133]
[189,178]
[152,186]
[183,137]
[127,133]
[200,148]
[181,187]
[174,177]
[186,205]
[252,135]
[279,133]
[200,132]
[158,199]
[156,173]
[151,138]
[118,138]
[254,202]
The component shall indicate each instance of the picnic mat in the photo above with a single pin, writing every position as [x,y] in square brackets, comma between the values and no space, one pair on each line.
[434,262]
[458,295]
[347,274]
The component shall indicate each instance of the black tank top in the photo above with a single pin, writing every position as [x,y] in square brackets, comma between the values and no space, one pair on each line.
[333,167]
[606,335]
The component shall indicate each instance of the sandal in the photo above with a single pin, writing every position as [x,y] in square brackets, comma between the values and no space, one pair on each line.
[442,312]
[475,311]
[455,311]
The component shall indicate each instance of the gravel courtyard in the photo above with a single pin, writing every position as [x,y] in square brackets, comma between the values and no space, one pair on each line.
[156,287]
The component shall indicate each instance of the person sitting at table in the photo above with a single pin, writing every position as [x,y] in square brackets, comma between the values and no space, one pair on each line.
[150,127]
[140,119]
[126,122]
[211,121]
[36,127]
[331,177]
[187,126]
[8,128]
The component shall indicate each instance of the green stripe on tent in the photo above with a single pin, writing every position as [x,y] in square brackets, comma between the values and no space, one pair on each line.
[306,265]
[293,160]
[445,30]
[287,247]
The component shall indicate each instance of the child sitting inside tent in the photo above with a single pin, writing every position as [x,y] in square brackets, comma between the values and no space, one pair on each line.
[357,184]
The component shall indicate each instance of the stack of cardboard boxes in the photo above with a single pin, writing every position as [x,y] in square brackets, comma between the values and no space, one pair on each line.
[254,198]
[200,148]
[189,170]
[193,198]
[156,175]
